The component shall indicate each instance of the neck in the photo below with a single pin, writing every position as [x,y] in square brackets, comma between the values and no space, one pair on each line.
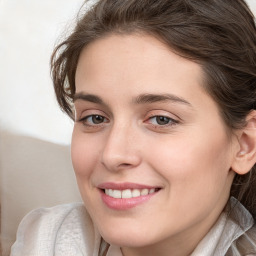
[182,244]
[174,247]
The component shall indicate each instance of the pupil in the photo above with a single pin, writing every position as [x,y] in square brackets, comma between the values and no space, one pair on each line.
[97,119]
[162,120]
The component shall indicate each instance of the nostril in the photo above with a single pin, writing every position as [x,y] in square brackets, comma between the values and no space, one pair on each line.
[125,165]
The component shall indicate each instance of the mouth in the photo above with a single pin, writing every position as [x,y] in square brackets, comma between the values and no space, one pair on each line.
[126,195]
[129,193]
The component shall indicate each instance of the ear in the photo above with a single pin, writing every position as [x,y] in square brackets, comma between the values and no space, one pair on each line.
[245,157]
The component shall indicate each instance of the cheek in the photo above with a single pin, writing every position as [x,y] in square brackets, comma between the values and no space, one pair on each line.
[84,154]
[194,172]
[190,161]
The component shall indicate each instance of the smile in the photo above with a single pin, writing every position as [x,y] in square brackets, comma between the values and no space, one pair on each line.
[129,193]
[124,196]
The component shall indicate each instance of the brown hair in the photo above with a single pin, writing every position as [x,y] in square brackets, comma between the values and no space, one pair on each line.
[220,35]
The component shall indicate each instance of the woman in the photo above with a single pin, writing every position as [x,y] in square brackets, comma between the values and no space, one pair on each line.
[162,94]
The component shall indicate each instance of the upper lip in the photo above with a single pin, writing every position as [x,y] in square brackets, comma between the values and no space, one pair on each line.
[125,185]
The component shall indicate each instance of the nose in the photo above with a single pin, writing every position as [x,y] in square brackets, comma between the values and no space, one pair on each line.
[120,149]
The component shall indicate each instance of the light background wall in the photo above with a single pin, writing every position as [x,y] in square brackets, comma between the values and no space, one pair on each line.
[29,29]
[28,32]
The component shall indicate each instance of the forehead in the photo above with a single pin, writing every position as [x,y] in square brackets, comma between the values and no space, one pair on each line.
[136,64]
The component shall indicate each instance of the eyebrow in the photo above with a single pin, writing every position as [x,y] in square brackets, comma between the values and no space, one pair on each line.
[152,98]
[87,97]
[141,99]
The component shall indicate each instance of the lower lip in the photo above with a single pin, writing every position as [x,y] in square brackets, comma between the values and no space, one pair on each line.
[124,203]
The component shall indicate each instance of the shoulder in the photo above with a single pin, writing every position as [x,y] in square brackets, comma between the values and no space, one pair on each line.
[245,244]
[244,237]
[61,230]
[53,217]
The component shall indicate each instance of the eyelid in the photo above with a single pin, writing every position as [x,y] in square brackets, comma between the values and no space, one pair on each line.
[159,112]
[82,114]
[173,120]
[85,118]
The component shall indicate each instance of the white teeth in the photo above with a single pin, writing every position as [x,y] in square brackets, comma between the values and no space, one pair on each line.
[110,192]
[135,193]
[152,190]
[117,194]
[144,192]
[129,193]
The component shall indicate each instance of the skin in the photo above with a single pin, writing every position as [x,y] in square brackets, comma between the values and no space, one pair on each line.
[189,156]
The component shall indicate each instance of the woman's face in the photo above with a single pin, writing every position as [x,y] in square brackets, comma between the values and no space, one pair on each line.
[150,151]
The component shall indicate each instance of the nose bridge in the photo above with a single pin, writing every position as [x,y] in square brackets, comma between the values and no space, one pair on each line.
[120,150]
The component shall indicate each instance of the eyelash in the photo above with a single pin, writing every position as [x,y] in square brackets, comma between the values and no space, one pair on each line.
[84,120]
[89,121]
[170,121]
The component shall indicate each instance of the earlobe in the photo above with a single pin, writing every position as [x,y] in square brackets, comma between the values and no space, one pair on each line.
[245,157]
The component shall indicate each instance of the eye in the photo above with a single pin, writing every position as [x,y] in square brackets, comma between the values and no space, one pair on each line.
[94,120]
[161,120]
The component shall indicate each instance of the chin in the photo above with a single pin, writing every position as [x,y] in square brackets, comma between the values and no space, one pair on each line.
[127,241]
[127,236]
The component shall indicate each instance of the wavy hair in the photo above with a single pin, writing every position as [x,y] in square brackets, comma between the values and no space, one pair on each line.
[220,35]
